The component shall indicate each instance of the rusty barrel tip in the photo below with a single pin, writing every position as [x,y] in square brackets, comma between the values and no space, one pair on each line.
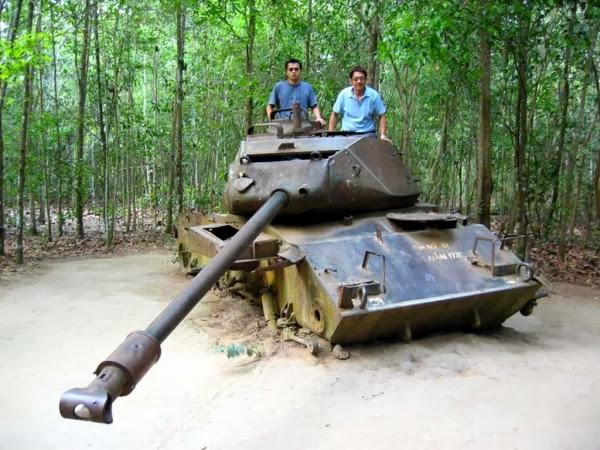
[116,377]
[90,404]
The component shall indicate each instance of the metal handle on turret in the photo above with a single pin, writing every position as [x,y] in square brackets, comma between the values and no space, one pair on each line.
[118,374]
[296,115]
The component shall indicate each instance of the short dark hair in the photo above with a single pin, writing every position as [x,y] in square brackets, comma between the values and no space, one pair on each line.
[293,61]
[357,69]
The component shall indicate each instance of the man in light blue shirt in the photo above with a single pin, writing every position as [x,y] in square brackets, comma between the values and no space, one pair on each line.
[286,93]
[360,106]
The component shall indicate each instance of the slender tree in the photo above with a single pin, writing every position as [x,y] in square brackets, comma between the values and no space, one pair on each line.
[557,159]
[44,194]
[59,164]
[83,73]
[369,14]
[176,169]
[521,56]
[14,25]
[484,160]
[46,156]
[568,202]
[24,142]
[178,110]
[308,37]
[251,13]
[102,129]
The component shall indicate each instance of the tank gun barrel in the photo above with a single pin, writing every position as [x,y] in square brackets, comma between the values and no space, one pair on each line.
[118,375]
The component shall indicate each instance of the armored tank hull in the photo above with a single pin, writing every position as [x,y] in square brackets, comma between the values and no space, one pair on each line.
[395,273]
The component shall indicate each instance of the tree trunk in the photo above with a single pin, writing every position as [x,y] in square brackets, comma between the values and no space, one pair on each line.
[58,162]
[250,35]
[521,59]
[373,64]
[32,211]
[597,186]
[484,160]
[407,92]
[438,176]
[178,121]
[126,185]
[101,128]
[568,203]
[41,195]
[45,150]
[156,108]
[79,190]
[368,13]
[570,234]
[114,173]
[594,78]
[171,167]
[308,37]
[3,85]
[558,157]
[23,145]
[133,195]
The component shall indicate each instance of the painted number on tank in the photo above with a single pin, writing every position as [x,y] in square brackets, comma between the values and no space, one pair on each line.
[444,256]
[437,251]
[431,246]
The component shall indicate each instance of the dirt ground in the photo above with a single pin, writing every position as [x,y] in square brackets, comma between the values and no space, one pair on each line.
[535,384]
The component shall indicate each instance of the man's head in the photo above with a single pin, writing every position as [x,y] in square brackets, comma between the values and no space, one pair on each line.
[358,78]
[293,67]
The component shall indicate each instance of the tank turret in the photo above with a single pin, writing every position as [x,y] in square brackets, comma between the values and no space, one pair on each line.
[321,172]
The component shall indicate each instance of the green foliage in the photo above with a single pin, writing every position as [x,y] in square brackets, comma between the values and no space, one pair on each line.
[27,49]
[428,56]
[235,350]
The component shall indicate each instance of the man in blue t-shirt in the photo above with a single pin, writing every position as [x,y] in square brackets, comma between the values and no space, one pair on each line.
[359,106]
[285,93]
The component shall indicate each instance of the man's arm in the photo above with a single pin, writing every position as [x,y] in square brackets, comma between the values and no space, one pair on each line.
[383,127]
[317,112]
[273,100]
[380,110]
[338,108]
[269,111]
[332,121]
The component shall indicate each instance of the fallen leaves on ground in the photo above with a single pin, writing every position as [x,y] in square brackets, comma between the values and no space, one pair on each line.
[37,248]
[581,265]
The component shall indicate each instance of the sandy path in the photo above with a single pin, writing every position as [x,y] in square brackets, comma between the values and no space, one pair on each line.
[534,385]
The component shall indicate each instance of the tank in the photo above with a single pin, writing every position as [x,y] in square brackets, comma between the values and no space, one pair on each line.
[325,230]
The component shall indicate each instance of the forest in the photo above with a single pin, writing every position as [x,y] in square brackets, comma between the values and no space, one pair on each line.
[132,110]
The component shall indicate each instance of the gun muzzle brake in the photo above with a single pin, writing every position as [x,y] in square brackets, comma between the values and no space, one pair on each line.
[116,376]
